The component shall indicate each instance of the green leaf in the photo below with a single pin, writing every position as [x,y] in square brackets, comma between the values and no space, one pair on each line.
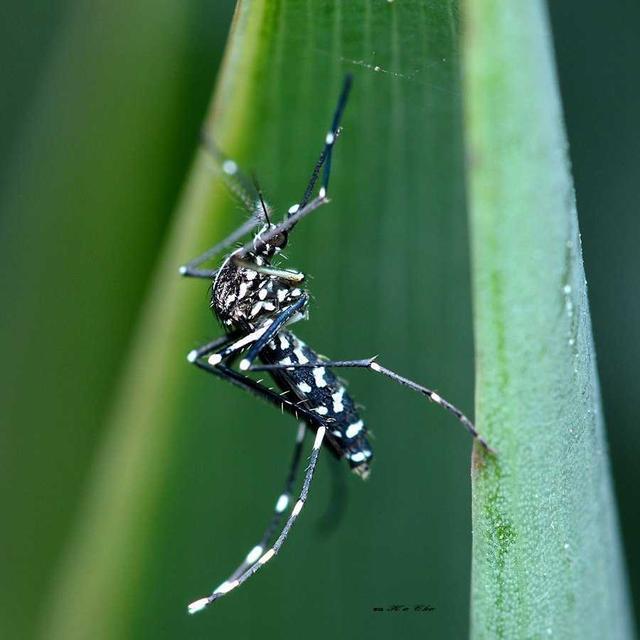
[547,560]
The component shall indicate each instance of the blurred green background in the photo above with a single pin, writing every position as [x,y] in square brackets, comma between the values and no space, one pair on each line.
[100,115]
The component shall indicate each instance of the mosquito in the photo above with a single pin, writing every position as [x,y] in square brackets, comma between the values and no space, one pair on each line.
[256,301]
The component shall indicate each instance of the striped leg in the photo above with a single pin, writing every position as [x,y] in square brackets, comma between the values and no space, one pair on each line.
[257,339]
[303,208]
[225,346]
[282,504]
[284,316]
[372,365]
[230,584]
[325,156]
[192,270]
[251,198]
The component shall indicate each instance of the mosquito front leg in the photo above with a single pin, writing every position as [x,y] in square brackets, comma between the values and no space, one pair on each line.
[278,322]
[329,141]
[287,275]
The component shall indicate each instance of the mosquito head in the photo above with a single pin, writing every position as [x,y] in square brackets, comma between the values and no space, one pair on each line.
[273,245]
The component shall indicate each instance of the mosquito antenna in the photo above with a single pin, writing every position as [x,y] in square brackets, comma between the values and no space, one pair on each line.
[256,186]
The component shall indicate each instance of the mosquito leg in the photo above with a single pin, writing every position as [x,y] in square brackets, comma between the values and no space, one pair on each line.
[287,275]
[373,365]
[325,156]
[222,349]
[257,339]
[282,503]
[279,321]
[257,554]
[296,409]
[230,584]
[285,225]
[241,186]
[307,205]
[332,134]
[191,268]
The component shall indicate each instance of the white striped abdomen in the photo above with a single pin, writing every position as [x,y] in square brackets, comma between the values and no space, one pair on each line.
[324,394]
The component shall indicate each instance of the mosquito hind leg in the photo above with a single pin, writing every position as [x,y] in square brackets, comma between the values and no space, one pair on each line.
[372,365]
[281,506]
[230,584]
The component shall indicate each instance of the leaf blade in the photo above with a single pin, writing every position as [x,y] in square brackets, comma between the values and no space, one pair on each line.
[546,555]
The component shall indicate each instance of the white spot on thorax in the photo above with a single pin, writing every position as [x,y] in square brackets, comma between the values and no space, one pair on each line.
[284,343]
[255,310]
[242,291]
[321,410]
[262,294]
[304,387]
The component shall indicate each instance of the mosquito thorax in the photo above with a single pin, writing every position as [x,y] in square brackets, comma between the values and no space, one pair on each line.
[243,295]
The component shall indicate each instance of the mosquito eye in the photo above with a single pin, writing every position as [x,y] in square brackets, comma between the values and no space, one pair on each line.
[279,241]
